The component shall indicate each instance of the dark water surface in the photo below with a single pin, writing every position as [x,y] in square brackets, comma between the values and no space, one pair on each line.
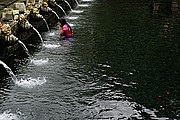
[123,64]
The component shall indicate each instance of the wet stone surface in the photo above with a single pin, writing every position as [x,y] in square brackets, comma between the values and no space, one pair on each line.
[4,3]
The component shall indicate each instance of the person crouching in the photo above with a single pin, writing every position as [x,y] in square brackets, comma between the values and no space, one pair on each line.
[65,31]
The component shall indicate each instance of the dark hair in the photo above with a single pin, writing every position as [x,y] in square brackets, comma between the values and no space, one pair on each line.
[63,22]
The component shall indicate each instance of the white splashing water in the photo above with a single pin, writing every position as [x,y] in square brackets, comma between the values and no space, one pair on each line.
[71,24]
[31,82]
[7,115]
[87,0]
[72,18]
[51,34]
[39,62]
[77,11]
[51,45]
[83,5]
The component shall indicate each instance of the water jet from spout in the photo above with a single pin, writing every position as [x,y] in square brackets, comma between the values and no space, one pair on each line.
[46,24]
[24,47]
[38,34]
[55,14]
[9,71]
[77,2]
[61,9]
[68,4]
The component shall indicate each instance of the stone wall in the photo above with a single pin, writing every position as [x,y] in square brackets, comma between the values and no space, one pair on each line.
[22,20]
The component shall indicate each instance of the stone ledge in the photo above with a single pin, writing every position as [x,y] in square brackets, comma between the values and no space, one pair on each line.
[5,3]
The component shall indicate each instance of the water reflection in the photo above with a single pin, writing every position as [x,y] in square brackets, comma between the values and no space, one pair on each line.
[166,7]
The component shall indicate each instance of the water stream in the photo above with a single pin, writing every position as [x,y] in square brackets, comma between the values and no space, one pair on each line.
[77,2]
[55,14]
[40,37]
[46,24]
[24,47]
[68,4]
[9,71]
[61,9]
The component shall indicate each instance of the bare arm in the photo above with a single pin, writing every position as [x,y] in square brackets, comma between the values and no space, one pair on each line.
[62,32]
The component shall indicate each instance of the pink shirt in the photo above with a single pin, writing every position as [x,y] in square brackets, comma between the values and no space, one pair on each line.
[67,30]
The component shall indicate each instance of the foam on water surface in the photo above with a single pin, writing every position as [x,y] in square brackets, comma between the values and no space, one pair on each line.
[51,45]
[39,62]
[7,115]
[72,17]
[77,11]
[31,82]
